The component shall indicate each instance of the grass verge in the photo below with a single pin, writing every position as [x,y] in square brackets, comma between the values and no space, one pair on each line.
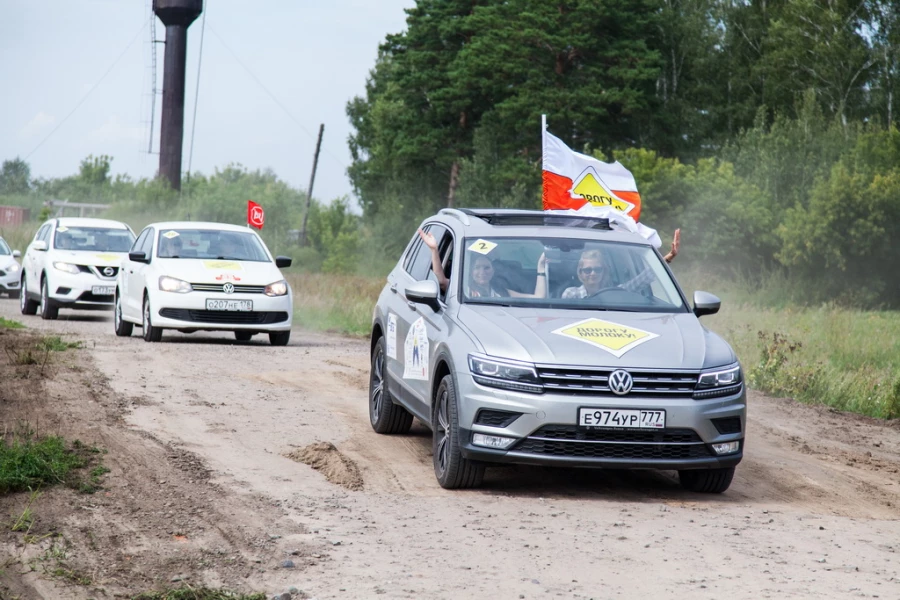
[337,303]
[28,462]
[10,324]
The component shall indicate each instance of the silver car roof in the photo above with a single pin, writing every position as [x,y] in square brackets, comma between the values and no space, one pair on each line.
[475,223]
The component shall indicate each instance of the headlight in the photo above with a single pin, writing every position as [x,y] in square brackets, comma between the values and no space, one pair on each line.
[721,382]
[13,268]
[170,284]
[279,288]
[509,375]
[67,267]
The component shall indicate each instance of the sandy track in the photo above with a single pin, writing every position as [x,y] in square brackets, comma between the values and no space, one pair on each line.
[814,510]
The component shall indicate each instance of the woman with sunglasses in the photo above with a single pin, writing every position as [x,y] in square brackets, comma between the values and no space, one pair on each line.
[593,272]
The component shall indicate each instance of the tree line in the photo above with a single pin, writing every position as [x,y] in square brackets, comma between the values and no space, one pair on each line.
[764,128]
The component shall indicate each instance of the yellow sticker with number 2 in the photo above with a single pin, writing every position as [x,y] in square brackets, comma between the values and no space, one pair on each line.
[482,246]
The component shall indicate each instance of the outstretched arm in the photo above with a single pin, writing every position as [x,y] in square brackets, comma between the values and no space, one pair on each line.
[540,285]
[436,265]
[676,244]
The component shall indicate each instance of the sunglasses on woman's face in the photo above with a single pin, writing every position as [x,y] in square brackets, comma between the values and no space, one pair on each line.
[590,270]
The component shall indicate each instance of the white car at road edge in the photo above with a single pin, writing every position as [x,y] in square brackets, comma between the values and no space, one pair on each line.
[72,262]
[193,276]
[9,270]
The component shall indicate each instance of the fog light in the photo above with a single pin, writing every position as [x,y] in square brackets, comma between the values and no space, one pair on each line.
[492,441]
[726,448]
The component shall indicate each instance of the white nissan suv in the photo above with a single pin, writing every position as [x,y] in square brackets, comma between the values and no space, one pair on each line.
[73,263]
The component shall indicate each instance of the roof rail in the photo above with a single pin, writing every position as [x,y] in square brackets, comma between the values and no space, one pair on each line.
[508,216]
[452,212]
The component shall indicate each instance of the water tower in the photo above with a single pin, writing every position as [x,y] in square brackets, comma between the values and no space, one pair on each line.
[177,16]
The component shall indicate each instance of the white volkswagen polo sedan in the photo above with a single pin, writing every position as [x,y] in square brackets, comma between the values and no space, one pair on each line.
[193,276]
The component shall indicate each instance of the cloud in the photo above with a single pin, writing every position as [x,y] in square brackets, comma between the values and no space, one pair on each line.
[39,124]
[114,130]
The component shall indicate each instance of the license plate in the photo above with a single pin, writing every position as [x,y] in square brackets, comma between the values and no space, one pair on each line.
[231,305]
[618,418]
[103,290]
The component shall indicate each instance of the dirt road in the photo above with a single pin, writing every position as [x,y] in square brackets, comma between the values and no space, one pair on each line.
[198,431]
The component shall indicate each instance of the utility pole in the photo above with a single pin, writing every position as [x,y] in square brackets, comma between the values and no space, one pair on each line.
[312,179]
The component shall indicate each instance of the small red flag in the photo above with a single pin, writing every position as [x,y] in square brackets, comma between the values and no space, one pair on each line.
[256,216]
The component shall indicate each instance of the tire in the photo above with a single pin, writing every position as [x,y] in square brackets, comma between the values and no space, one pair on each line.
[151,333]
[385,416]
[26,304]
[243,336]
[49,311]
[123,328]
[279,338]
[14,294]
[452,470]
[706,481]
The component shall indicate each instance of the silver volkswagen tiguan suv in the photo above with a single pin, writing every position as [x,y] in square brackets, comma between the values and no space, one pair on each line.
[552,340]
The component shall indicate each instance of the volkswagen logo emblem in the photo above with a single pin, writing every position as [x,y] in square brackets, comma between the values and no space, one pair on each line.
[228,288]
[620,382]
[109,271]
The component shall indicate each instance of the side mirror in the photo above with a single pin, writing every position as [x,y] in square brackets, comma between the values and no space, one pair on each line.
[424,292]
[706,304]
[39,245]
[140,257]
[283,261]
[16,254]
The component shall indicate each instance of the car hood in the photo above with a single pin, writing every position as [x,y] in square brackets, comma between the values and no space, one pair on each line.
[6,260]
[596,338]
[194,270]
[93,259]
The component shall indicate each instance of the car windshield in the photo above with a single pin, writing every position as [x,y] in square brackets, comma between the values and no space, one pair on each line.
[4,249]
[581,274]
[93,239]
[210,244]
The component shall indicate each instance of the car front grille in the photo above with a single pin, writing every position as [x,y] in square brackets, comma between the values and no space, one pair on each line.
[224,317]
[569,441]
[238,289]
[584,380]
[99,272]
[90,297]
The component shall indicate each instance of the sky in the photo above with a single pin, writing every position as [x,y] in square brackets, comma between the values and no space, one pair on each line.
[76,79]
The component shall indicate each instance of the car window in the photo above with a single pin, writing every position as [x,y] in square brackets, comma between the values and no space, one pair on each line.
[147,244]
[211,244]
[420,265]
[581,274]
[43,233]
[136,247]
[4,248]
[92,239]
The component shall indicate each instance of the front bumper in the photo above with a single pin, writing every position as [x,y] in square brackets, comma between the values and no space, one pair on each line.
[546,431]
[84,290]
[188,312]
[9,281]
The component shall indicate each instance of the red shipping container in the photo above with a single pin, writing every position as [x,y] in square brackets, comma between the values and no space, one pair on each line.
[13,215]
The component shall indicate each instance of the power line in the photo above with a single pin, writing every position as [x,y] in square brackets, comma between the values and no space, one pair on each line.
[272,96]
[90,91]
[197,90]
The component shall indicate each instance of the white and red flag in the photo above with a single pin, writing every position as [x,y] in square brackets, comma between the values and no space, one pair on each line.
[256,216]
[572,180]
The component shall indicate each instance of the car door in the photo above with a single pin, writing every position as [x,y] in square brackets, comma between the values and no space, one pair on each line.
[126,273]
[36,260]
[137,274]
[416,326]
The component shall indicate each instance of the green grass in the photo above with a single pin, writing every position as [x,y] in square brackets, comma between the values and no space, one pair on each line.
[10,324]
[54,343]
[202,593]
[338,303]
[28,462]
[844,358]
